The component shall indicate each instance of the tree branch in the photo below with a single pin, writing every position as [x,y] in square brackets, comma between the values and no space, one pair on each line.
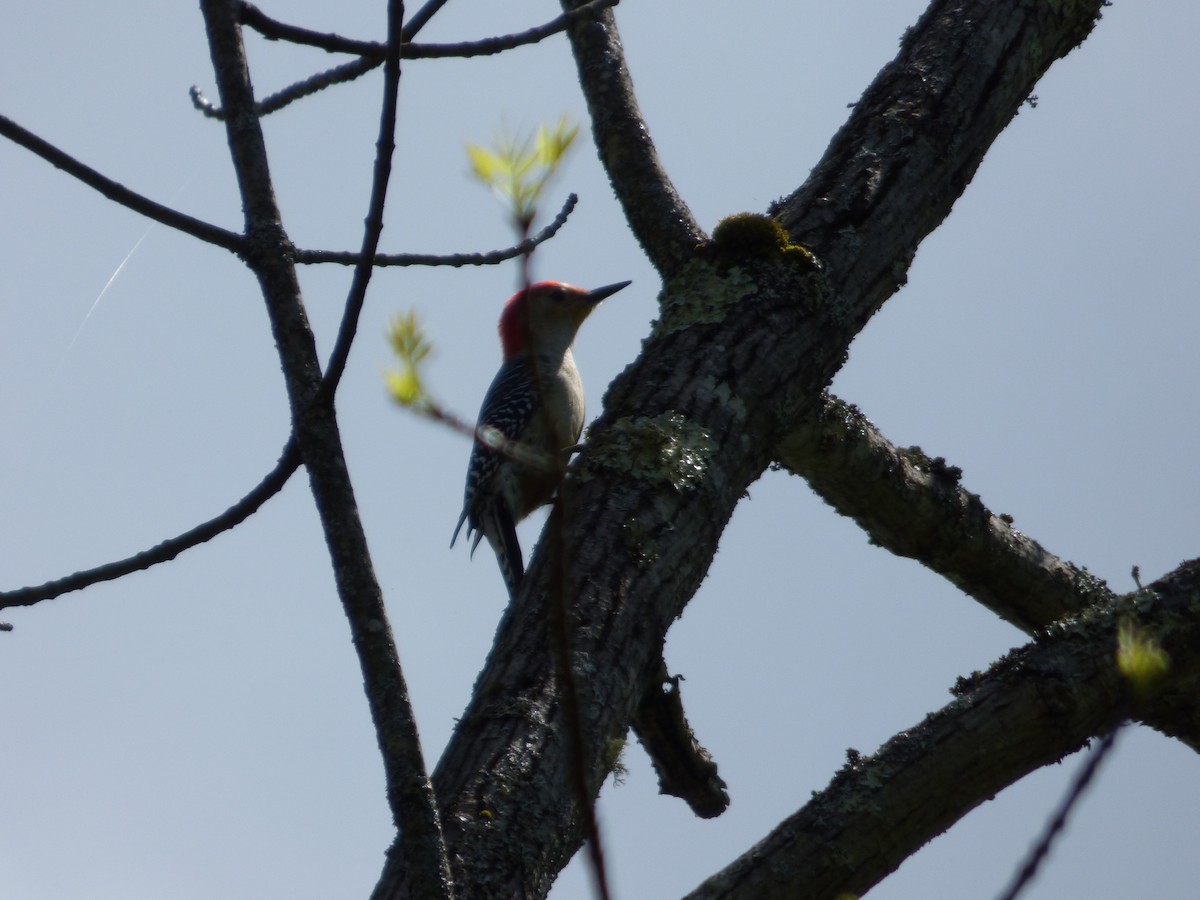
[910,148]
[371,53]
[915,507]
[385,146]
[455,260]
[421,17]
[499,44]
[120,194]
[1032,708]
[293,92]
[659,218]
[342,74]
[1079,786]
[685,769]
[410,796]
[273,29]
[289,461]
[748,338]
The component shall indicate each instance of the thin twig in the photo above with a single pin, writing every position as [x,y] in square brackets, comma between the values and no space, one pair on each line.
[1042,849]
[490,258]
[289,461]
[489,46]
[311,85]
[333,43]
[560,640]
[371,53]
[373,228]
[316,83]
[274,30]
[421,18]
[120,194]
[560,633]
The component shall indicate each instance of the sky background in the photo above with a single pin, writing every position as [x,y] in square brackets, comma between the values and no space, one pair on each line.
[199,730]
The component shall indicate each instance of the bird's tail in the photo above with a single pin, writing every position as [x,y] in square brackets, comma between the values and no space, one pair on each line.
[501,532]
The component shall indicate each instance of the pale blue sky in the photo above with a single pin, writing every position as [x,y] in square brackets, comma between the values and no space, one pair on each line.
[199,730]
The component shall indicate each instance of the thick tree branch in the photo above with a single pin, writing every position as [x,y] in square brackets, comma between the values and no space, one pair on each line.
[913,143]
[1034,707]
[409,793]
[915,507]
[657,215]
[120,194]
[748,339]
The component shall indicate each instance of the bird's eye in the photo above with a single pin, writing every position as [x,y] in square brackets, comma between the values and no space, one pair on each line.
[558,293]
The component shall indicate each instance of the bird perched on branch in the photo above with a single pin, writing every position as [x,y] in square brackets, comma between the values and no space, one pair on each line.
[531,417]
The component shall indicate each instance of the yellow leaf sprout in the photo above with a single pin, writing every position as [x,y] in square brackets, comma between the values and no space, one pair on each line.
[410,346]
[1139,657]
[517,170]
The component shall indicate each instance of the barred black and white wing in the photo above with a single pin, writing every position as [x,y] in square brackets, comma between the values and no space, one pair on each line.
[491,504]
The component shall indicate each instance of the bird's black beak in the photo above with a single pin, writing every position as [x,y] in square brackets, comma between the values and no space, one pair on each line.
[607,291]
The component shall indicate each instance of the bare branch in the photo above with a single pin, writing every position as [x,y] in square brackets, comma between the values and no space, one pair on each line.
[337,75]
[332,43]
[582,781]
[289,461]
[409,792]
[489,46]
[385,145]
[275,102]
[274,30]
[915,507]
[455,260]
[421,18]
[990,736]
[120,194]
[659,218]
[371,53]
[685,769]
[1039,852]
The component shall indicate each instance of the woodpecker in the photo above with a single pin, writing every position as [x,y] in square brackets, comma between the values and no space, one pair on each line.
[536,403]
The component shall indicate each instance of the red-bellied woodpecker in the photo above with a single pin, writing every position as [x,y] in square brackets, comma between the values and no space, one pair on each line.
[536,403]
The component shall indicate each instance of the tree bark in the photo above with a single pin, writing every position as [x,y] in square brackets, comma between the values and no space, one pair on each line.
[1033,707]
[748,339]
